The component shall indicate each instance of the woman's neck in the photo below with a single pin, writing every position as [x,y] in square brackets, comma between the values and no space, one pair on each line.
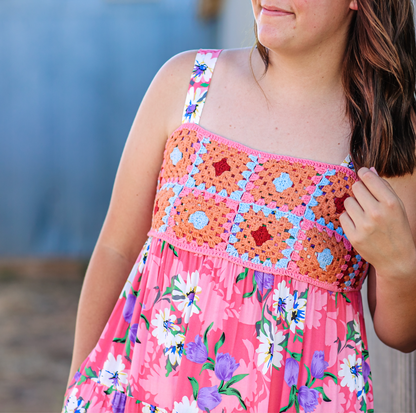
[310,76]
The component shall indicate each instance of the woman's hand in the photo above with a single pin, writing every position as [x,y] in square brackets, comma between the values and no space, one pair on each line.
[381,225]
[376,224]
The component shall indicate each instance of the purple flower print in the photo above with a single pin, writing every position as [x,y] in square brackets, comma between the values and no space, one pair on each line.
[196,351]
[264,280]
[291,372]
[191,109]
[366,371]
[199,69]
[208,398]
[77,376]
[133,333]
[129,307]
[308,398]
[318,364]
[225,366]
[119,402]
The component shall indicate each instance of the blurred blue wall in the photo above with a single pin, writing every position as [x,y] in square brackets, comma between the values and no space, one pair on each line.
[72,75]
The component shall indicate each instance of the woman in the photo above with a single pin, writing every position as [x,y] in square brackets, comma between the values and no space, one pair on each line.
[246,294]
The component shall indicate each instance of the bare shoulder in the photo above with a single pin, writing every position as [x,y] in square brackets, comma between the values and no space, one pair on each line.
[234,64]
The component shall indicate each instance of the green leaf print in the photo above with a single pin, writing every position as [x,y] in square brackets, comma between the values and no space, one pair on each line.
[195,387]
[297,405]
[242,275]
[109,390]
[173,250]
[145,320]
[81,380]
[172,285]
[247,295]
[136,293]
[90,372]
[163,246]
[206,336]
[234,380]
[363,407]
[128,345]
[168,367]
[219,343]
[292,398]
[332,376]
[87,406]
[324,396]
[122,339]
[207,366]
[346,298]
[308,382]
[230,391]
[296,356]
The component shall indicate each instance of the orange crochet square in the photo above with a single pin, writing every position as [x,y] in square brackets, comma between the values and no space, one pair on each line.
[263,236]
[222,167]
[161,202]
[301,176]
[179,144]
[331,203]
[216,216]
[316,242]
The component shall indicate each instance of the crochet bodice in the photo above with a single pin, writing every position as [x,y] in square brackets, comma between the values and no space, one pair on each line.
[275,214]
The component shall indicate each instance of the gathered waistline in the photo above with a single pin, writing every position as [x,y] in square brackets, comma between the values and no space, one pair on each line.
[212,252]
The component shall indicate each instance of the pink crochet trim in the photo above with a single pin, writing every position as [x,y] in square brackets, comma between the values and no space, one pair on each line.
[194,247]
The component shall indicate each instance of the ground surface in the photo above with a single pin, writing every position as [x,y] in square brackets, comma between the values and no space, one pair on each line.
[37,321]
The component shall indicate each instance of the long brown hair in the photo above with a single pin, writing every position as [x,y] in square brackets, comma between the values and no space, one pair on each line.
[379,79]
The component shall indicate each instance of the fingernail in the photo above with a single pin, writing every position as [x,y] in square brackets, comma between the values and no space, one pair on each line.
[374,170]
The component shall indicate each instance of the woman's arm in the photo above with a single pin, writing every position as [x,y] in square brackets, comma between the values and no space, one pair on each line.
[129,215]
[380,221]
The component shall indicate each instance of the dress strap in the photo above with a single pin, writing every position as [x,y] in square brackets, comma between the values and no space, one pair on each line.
[198,87]
[347,162]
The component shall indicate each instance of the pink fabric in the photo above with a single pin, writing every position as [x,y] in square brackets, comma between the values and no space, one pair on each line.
[283,340]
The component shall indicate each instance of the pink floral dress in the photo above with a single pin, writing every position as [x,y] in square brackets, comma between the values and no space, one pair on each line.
[246,295]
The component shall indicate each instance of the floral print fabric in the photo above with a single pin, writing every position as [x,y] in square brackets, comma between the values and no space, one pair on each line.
[192,333]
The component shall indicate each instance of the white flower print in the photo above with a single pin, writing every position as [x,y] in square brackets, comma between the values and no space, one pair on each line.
[137,268]
[164,327]
[351,371]
[127,286]
[74,405]
[282,300]
[185,406]
[296,315]
[112,373]
[145,254]
[194,100]
[186,294]
[203,68]
[269,349]
[175,350]
[149,408]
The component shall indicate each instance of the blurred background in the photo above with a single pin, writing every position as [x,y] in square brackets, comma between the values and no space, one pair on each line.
[72,75]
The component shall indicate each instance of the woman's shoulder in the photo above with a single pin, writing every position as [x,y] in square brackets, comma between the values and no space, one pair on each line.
[173,79]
